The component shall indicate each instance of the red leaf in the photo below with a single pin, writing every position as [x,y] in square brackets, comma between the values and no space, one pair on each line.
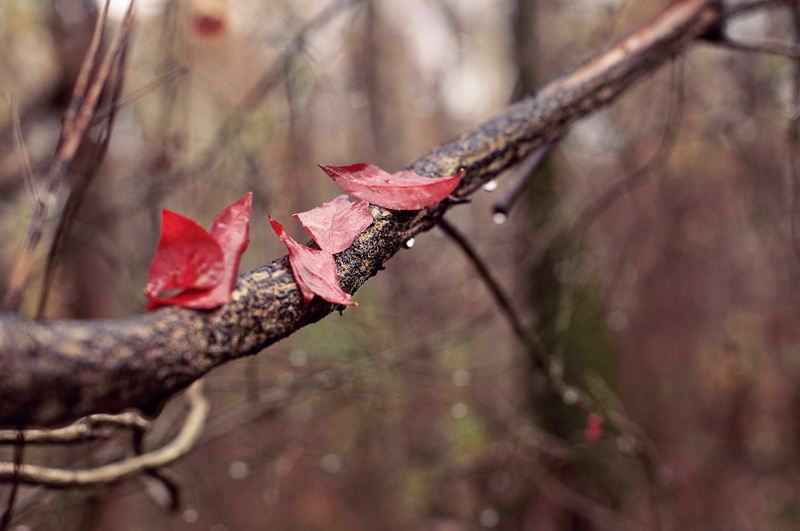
[207,281]
[594,426]
[187,256]
[314,271]
[403,190]
[209,25]
[336,224]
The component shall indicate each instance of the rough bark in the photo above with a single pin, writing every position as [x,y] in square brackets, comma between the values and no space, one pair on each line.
[55,372]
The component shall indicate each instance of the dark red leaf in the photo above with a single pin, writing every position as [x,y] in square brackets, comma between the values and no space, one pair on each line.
[229,234]
[336,224]
[187,257]
[209,25]
[594,426]
[403,190]
[314,271]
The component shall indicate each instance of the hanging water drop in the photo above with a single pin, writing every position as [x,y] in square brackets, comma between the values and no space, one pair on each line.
[499,218]
[490,186]
[409,243]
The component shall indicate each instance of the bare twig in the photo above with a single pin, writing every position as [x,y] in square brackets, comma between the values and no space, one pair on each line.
[747,6]
[588,508]
[76,121]
[793,142]
[534,347]
[16,476]
[111,72]
[637,177]
[87,428]
[271,78]
[522,176]
[180,446]
[786,49]
[19,146]
[116,105]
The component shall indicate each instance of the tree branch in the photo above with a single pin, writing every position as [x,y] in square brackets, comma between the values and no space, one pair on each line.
[56,372]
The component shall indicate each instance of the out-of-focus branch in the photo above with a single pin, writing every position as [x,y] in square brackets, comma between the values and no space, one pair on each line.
[56,372]
[91,427]
[180,446]
[536,350]
[76,122]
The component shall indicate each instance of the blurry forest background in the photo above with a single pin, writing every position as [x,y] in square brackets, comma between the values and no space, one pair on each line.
[668,306]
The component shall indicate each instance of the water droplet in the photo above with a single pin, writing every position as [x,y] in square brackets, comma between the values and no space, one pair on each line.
[626,444]
[298,358]
[461,377]
[490,186]
[238,470]
[499,218]
[570,396]
[489,518]
[410,243]
[190,515]
[331,463]
[459,410]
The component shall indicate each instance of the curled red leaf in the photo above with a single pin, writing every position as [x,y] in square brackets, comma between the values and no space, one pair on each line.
[403,190]
[314,271]
[336,224]
[202,264]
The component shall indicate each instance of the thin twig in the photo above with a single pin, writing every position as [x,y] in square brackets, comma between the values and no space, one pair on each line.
[270,79]
[84,429]
[588,508]
[76,121]
[536,350]
[19,448]
[746,7]
[522,176]
[22,152]
[116,105]
[180,446]
[793,141]
[110,72]
[637,177]
[786,49]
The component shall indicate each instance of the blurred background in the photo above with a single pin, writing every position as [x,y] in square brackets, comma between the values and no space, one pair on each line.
[651,256]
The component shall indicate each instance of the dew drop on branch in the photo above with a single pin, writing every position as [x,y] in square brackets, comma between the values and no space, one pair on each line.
[499,218]
[410,243]
[490,186]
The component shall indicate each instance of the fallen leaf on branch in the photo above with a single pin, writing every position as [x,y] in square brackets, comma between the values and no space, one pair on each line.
[403,190]
[314,271]
[203,265]
[336,224]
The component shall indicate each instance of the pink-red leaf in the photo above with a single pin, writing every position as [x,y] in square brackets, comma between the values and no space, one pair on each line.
[594,426]
[314,271]
[229,232]
[187,257]
[336,224]
[403,190]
